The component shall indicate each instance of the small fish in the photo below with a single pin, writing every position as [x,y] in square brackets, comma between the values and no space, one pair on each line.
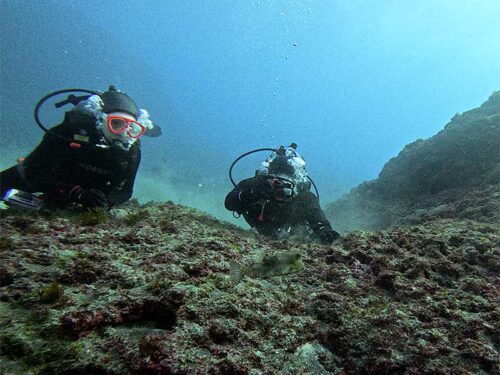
[271,265]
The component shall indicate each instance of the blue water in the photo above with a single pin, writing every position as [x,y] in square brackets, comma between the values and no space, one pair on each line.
[351,82]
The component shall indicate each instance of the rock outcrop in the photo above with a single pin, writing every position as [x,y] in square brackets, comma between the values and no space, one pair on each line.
[454,174]
[147,291]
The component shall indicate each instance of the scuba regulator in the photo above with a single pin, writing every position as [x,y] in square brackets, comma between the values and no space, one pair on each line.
[282,188]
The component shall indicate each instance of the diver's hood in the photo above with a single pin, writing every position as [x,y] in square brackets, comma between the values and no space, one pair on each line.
[117,101]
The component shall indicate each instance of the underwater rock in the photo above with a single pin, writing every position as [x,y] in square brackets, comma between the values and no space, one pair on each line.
[454,174]
[151,300]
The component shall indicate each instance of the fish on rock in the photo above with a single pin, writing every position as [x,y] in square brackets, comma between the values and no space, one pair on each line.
[271,265]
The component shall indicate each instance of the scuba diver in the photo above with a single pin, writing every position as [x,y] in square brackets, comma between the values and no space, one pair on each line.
[90,159]
[277,201]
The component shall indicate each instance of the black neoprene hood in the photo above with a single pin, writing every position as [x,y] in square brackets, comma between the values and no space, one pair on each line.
[117,101]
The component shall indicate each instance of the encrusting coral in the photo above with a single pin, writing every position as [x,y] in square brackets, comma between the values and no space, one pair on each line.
[155,297]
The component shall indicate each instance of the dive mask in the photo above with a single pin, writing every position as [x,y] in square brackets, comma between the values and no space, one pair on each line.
[119,125]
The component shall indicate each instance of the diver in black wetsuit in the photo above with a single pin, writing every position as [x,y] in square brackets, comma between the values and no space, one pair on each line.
[277,201]
[98,169]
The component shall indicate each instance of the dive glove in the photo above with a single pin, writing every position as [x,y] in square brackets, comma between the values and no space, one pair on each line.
[90,198]
[327,235]
[263,190]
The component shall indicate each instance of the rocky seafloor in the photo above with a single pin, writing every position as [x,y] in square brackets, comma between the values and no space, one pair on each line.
[147,291]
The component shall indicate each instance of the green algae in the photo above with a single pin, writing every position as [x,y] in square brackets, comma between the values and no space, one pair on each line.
[92,217]
[7,244]
[64,258]
[134,218]
[52,294]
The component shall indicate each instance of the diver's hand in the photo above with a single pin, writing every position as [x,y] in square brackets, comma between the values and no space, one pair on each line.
[253,195]
[256,193]
[90,198]
[327,235]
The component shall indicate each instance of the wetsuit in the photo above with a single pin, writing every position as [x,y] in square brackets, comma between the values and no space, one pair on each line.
[55,168]
[270,217]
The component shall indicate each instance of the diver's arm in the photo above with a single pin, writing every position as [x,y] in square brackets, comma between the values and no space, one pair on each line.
[233,200]
[120,195]
[313,213]
[317,220]
[40,167]
[246,193]
[46,168]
